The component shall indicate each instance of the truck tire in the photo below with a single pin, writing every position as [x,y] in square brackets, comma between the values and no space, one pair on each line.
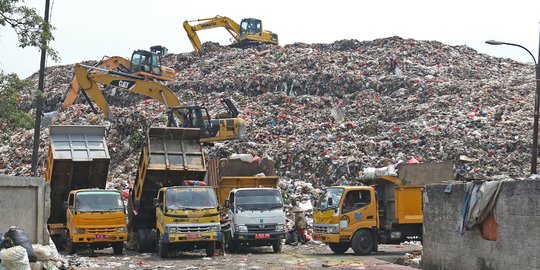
[118,248]
[362,242]
[163,250]
[145,242]
[70,246]
[59,242]
[233,246]
[339,248]
[210,249]
[277,246]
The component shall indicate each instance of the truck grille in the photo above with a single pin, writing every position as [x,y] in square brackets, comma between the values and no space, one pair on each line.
[193,229]
[258,228]
[100,230]
[323,228]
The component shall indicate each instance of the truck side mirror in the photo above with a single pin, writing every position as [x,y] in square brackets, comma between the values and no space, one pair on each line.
[330,202]
[227,203]
[156,202]
[65,205]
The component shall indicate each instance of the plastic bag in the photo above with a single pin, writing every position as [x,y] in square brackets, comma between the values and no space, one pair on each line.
[14,258]
[20,238]
[43,253]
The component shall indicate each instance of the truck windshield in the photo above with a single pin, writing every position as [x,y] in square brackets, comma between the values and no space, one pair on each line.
[334,193]
[97,201]
[190,198]
[262,199]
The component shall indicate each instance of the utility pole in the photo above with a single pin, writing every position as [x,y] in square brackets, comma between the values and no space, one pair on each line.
[39,96]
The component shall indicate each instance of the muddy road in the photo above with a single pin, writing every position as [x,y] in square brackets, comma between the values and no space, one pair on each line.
[308,256]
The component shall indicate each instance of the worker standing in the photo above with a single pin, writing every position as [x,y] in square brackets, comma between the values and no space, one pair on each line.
[299,221]
[225,222]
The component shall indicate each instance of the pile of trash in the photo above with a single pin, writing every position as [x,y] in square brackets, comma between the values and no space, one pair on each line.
[17,253]
[324,112]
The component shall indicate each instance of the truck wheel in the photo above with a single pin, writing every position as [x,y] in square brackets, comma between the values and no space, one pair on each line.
[145,240]
[339,248]
[362,242]
[59,242]
[277,245]
[70,246]
[233,246]
[210,249]
[163,250]
[118,248]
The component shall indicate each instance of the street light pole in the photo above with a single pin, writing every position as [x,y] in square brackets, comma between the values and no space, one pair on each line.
[534,150]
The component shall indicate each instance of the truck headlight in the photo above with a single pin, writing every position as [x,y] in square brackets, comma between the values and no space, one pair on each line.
[172,230]
[215,228]
[241,228]
[80,230]
[121,230]
[280,228]
[333,229]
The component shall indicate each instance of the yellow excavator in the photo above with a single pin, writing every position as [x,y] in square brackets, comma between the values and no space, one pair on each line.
[224,127]
[143,63]
[248,32]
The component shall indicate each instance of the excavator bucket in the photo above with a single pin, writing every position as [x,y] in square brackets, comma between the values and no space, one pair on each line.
[72,93]
[92,89]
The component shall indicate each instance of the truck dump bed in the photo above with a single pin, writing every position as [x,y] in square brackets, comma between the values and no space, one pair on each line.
[400,198]
[227,174]
[169,156]
[78,158]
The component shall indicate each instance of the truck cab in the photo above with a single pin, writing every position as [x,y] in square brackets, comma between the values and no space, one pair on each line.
[347,216]
[257,217]
[186,219]
[96,218]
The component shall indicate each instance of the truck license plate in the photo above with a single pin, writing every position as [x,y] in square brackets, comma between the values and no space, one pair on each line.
[101,236]
[262,236]
[193,235]
[317,236]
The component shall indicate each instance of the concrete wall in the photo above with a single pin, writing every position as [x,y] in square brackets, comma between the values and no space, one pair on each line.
[25,203]
[517,213]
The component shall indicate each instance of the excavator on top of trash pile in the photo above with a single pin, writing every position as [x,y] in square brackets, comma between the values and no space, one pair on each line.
[248,32]
[224,127]
[143,63]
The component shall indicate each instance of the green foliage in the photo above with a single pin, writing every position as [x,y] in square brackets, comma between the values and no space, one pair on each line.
[11,117]
[31,29]
[137,139]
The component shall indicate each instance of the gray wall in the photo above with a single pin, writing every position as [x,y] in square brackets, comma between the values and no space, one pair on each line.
[25,203]
[517,213]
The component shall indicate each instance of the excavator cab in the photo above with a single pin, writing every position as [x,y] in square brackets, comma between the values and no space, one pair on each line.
[225,127]
[250,26]
[145,61]
[193,117]
[159,50]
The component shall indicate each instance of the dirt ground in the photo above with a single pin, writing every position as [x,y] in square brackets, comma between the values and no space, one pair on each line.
[309,256]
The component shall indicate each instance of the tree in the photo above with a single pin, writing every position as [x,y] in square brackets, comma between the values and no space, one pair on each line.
[31,29]
[13,116]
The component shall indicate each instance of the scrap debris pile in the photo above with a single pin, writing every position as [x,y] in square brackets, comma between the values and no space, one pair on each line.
[325,112]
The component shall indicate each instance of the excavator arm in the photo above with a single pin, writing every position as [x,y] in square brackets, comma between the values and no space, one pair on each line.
[231,26]
[89,82]
[110,63]
[219,129]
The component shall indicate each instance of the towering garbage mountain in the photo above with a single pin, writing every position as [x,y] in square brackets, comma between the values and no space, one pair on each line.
[324,112]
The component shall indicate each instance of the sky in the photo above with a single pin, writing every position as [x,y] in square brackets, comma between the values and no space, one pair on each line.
[89,30]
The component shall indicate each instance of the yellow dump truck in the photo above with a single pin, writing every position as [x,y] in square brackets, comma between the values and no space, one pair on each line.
[255,204]
[387,210]
[162,213]
[82,212]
